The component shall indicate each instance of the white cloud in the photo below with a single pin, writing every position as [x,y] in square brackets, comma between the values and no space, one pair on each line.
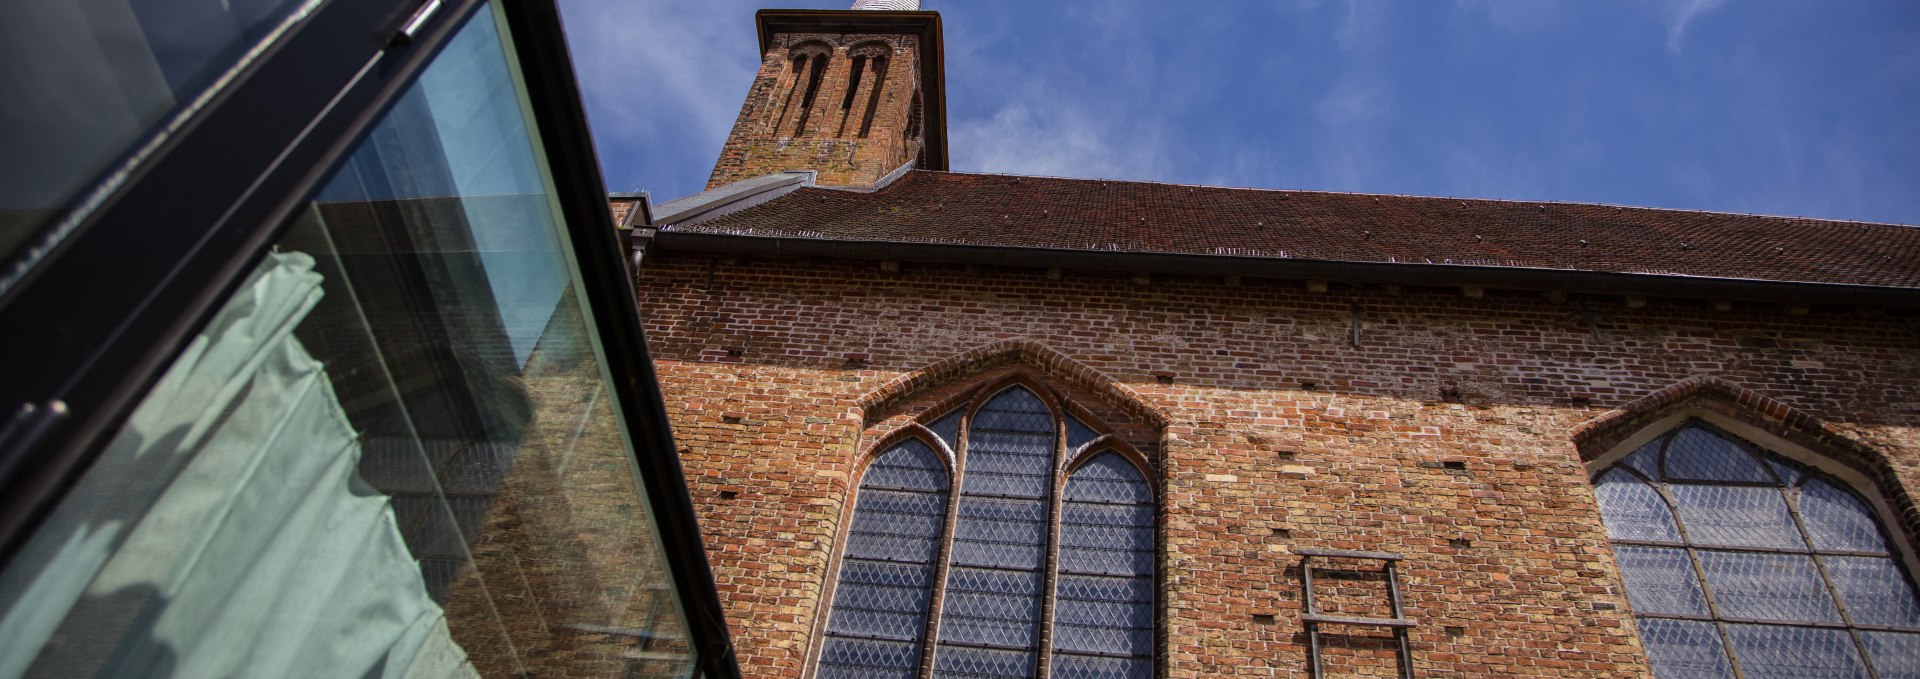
[1065,140]
[1360,25]
[665,77]
[1679,14]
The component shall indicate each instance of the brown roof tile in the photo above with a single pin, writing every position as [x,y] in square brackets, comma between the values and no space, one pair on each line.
[1117,216]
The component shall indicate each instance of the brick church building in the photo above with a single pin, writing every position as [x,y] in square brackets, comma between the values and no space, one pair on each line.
[952,424]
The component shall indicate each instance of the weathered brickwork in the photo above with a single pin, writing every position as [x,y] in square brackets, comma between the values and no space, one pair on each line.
[1448,429]
[846,130]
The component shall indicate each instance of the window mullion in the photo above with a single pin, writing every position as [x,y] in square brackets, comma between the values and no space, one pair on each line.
[1792,498]
[1693,558]
[1050,564]
[941,564]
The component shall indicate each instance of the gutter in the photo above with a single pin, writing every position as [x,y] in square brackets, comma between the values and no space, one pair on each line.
[1423,275]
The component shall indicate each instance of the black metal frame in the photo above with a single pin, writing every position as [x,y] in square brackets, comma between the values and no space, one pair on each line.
[93,326]
[1790,491]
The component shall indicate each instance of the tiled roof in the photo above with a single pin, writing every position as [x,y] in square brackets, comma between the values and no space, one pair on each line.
[1138,217]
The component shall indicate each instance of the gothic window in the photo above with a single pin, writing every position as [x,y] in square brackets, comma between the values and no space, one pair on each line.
[1737,560]
[1035,554]
[886,575]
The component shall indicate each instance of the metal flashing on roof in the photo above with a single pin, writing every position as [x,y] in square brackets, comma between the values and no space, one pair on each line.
[722,200]
[925,24]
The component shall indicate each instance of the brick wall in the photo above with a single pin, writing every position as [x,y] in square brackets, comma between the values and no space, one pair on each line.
[777,132]
[1451,431]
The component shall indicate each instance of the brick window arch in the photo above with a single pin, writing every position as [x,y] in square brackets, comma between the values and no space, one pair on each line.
[1738,559]
[1047,558]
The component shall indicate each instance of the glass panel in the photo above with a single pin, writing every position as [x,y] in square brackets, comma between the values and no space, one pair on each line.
[880,604]
[994,586]
[1104,615]
[1078,434]
[1660,580]
[1684,649]
[960,661]
[868,659]
[1646,460]
[1838,520]
[1788,472]
[909,465]
[1736,516]
[1108,478]
[383,453]
[1875,591]
[85,81]
[1784,652]
[1000,533]
[1633,510]
[1895,654]
[896,525]
[990,606]
[1768,586]
[1067,666]
[1701,455]
[948,428]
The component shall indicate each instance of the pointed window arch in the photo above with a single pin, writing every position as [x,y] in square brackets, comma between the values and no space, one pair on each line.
[1737,559]
[879,615]
[1045,567]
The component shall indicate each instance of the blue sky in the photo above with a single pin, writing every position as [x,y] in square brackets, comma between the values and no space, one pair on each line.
[1761,106]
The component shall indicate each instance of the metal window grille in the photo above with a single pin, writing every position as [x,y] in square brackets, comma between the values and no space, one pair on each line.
[1740,563]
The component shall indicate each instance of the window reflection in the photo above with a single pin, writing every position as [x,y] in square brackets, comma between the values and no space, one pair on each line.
[82,82]
[392,453]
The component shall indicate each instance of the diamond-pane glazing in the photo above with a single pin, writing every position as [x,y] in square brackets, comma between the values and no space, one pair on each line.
[1797,587]
[959,662]
[1784,652]
[994,584]
[948,428]
[843,658]
[1002,533]
[1789,473]
[1768,586]
[1104,614]
[1068,666]
[886,576]
[1874,590]
[1736,516]
[1633,510]
[1838,520]
[1684,649]
[1697,454]
[1895,654]
[1078,434]
[1646,459]
[1660,580]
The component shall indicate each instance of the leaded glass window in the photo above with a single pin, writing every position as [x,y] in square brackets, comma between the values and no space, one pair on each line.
[1001,575]
[879,613]
[990,623]
[1737,559]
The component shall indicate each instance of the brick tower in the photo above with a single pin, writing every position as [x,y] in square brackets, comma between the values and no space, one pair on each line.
[851,94]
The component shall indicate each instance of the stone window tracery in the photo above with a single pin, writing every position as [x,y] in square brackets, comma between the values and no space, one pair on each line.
[1048,560]
[1736,559]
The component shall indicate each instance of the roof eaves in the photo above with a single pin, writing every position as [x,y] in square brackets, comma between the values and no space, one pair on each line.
[1405,273]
